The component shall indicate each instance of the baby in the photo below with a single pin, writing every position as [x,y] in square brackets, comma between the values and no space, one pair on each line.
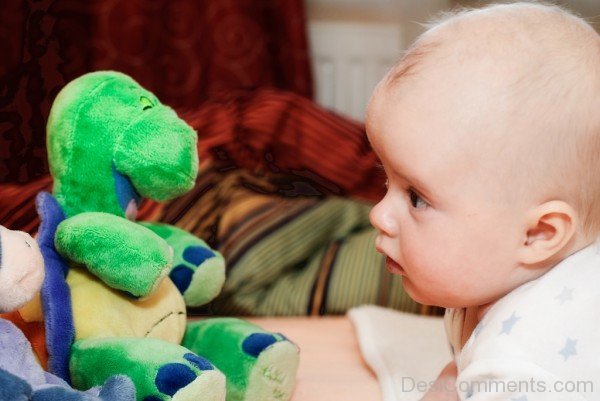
[489,133]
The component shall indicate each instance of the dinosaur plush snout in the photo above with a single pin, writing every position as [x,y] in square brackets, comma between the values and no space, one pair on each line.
[158,154]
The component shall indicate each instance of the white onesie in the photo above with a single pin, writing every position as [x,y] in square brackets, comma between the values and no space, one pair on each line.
[539,342]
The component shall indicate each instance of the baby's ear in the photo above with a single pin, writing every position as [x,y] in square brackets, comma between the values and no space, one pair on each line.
[549,228]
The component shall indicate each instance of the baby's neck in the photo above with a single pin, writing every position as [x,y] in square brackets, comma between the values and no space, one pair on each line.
[482,310]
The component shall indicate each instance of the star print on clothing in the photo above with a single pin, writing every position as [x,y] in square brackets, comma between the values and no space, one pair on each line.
[508,324]
[569,348]
[565,295]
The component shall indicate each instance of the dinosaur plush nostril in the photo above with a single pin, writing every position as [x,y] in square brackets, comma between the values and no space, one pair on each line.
[182,277]
[198,362]
[172,377]
[255,343]
[197,254]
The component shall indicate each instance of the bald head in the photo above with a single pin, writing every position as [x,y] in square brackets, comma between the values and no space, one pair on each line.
[525,79]
[510,36]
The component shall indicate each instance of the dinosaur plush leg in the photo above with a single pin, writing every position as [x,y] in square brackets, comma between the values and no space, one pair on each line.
[259,366]
[161,371]
[198,271]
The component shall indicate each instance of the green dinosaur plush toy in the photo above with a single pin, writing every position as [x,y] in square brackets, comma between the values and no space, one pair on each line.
[115,293]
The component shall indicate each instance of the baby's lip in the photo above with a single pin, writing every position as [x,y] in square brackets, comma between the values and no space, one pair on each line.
[393,266]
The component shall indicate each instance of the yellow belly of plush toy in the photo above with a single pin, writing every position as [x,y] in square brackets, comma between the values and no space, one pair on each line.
[99,311]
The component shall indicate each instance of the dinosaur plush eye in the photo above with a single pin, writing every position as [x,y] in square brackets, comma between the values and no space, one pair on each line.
[146,103]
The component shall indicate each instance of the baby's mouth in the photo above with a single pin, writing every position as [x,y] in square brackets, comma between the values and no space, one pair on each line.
[393,267]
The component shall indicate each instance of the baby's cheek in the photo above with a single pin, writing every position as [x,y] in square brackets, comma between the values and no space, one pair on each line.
[434,279]
[425,270]
[424,261]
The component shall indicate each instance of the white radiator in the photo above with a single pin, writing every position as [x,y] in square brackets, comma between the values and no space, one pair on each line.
[348,60]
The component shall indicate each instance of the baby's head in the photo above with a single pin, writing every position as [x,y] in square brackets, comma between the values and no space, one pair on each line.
[489,132]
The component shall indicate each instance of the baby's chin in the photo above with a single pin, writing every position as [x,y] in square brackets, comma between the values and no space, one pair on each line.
[414,293]
[430,297]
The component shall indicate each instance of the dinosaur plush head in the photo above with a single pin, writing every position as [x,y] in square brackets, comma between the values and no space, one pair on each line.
[21,269]
[111,142]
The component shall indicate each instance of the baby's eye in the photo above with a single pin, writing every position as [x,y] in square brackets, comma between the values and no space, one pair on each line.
[416,201]
[146,103]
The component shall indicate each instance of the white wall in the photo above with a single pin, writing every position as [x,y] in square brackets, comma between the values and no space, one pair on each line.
[407,13]
[353,42]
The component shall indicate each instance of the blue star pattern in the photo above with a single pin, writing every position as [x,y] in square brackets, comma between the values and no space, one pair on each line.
[569,348]
[508,324]
[565,295]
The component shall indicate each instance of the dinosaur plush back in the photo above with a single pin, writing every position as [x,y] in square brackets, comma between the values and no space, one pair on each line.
[108,135]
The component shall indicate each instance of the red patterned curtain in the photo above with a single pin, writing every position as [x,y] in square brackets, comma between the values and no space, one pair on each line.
[183,50]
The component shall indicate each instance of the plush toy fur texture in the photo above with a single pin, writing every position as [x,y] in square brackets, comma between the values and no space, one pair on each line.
[83,155]
[266,369]
[112,296]
[56,297]
[21,269]
[21,376]
[110,142]
[118,270]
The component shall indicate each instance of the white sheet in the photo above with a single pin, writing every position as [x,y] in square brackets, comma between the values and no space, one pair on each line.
[406,351]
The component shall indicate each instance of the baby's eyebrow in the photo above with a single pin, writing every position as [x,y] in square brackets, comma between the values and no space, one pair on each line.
[415,183]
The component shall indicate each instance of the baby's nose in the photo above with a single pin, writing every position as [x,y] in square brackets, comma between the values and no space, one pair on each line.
[381,218]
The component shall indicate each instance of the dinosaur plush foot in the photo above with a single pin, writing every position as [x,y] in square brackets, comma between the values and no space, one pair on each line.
[259,366]
[272,376]
[161,371]
[199,271]
[207,387]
